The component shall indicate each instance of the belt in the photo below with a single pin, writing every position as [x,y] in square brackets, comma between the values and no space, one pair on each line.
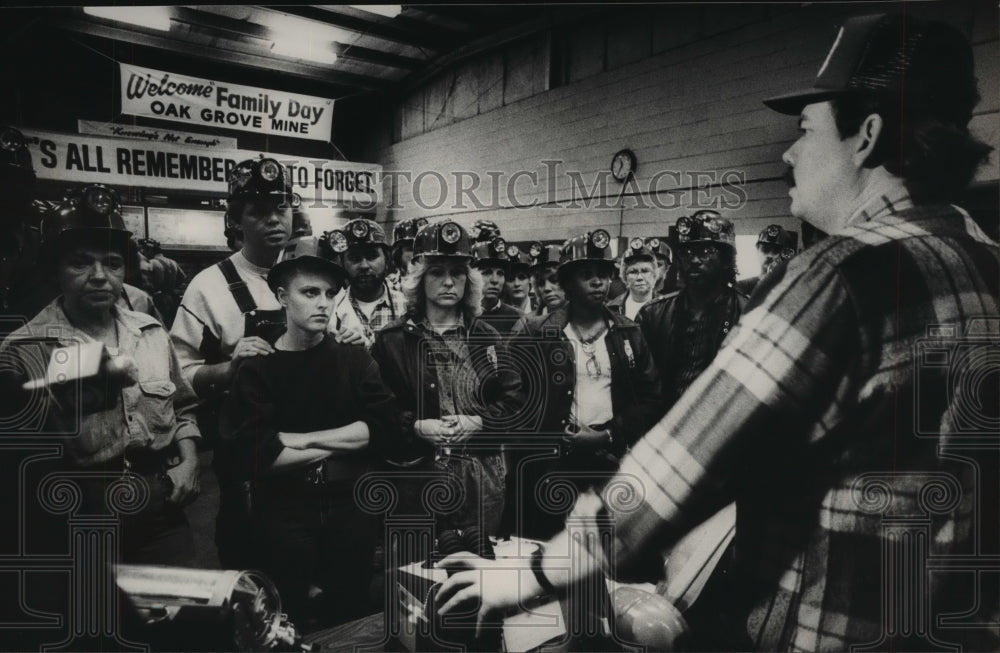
[139,460]
[333,470]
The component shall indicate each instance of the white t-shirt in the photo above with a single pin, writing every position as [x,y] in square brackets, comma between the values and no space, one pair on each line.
[592,398]
[208,303]
[632,307]
[368,307]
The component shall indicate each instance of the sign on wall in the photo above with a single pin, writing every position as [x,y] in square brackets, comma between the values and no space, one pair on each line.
[156,135]
[74,158]
[158,94]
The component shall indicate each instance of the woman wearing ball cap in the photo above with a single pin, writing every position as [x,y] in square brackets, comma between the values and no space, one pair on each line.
[132,424]
[596,387]
[455,389]
[299,447]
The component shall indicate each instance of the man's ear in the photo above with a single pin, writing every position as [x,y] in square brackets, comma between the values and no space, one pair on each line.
[867,137]
[282,296]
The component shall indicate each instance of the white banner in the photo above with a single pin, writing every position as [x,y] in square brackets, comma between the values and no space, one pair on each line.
[157,94]
[155,134]
[80,158]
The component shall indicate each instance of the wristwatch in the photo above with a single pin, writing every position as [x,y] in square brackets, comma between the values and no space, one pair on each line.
[536,569]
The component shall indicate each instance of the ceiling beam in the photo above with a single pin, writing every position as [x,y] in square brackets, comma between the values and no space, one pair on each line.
[368,55]
[234,55]
[249,28]
[424,36]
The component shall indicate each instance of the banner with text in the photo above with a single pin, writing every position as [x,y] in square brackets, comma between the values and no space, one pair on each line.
[157,94]
[155,134]
[82,158]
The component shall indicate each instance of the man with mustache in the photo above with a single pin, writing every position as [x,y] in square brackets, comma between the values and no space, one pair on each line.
[685,329]
[368,304]
[840,409]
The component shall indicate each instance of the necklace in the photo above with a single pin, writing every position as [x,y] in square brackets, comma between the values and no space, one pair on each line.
[589,347]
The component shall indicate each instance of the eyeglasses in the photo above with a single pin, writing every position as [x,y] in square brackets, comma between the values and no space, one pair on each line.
[701,251]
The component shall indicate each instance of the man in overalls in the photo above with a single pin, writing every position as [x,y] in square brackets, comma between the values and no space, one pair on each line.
[228,313]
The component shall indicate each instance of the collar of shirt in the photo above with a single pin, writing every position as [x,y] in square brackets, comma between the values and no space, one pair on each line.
[53,317]
[242,262]
[458,331]
[884,197]
[379,303]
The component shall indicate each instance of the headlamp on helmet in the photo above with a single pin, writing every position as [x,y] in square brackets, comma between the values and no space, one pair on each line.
[705,226]
[442,239]
[600,239]
[12,140]
[450,233]
[774,235]
[359,229]
[485,230]
[337,240]
[535,250]
[93,207]
[260,178]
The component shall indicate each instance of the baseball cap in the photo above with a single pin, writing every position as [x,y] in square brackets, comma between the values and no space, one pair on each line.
[892,55]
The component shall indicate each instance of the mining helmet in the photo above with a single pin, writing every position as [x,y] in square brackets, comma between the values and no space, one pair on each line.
[592,246]
[93,208]
[444,238]
[705,226]
[404,232]
[778,237]
[492,253]
[307,250]
[256,178]
[484,231]
[520,261]
[17,175]
[301,224]
[543,255]
[636,250]
[659,247]
[356,233]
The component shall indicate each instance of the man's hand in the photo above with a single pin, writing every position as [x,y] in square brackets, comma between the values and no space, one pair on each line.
[186,480]
[434,431]
[586,437]
[463,426]
[251,346]
[500,587]
[349,336]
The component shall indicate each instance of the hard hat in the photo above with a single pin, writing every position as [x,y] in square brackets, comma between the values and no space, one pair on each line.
[92,208]
[444,238]
[593,246]
[307,250]
[705,226]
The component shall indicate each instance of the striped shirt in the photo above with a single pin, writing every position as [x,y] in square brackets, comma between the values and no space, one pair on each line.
[847,416]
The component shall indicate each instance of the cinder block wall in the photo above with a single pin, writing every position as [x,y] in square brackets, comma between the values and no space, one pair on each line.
[688,105]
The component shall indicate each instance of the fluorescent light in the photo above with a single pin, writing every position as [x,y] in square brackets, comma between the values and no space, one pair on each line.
[301,39]
[305,48]
[389,11]
[157,18]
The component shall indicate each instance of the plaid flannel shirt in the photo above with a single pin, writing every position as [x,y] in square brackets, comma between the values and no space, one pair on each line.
[391,307]
[852,459]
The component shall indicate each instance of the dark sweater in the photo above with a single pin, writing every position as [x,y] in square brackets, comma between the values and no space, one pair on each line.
[328,386]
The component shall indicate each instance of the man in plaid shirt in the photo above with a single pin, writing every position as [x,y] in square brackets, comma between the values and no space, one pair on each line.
[367,304]
[852,414]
